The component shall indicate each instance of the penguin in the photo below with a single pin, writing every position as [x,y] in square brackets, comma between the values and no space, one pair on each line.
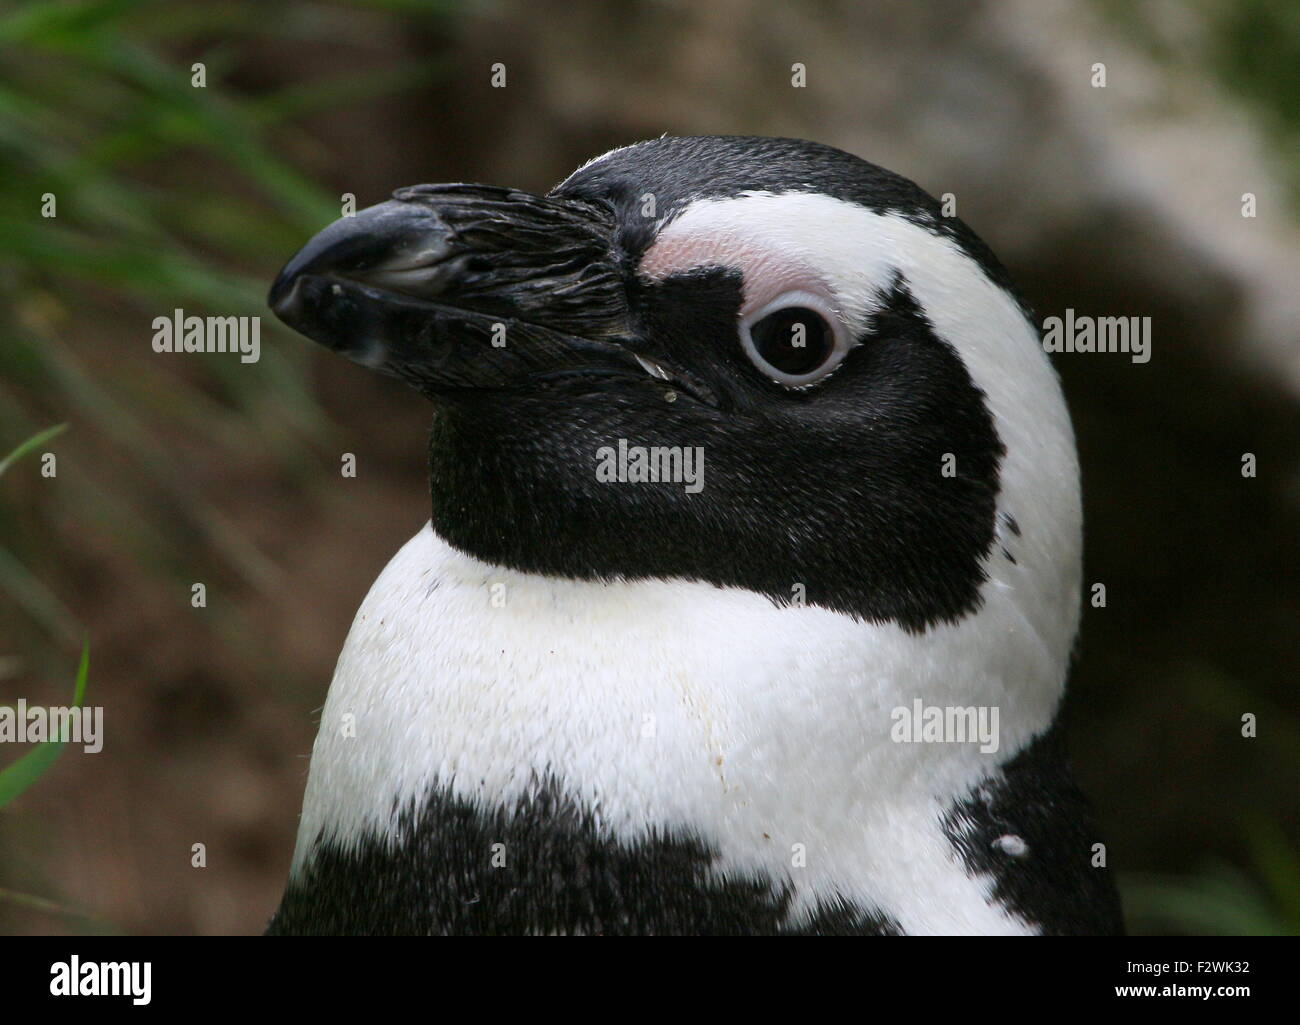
[752,576]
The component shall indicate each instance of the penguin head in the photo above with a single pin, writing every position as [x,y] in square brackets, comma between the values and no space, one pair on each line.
[858,404]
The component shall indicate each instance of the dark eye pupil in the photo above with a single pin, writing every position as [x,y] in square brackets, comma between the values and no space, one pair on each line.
[795,340]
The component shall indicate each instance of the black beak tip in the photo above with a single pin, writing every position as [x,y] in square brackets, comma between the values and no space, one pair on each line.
[286,296]
[352,247]
[280,298]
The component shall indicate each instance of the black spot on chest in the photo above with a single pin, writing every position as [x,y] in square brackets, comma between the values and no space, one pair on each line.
[1030,828]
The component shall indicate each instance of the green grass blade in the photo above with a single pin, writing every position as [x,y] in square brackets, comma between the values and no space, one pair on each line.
[34,442]
[37,762]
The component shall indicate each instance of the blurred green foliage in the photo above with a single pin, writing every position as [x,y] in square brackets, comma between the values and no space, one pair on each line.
[1215,897]
[1219,899]
[163,195]
[1251,50]
[27,770]
[1250,47]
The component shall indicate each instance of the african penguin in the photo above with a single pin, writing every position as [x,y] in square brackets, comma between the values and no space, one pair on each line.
[744,455]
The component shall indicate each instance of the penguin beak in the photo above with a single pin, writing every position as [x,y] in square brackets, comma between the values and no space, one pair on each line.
[454,287]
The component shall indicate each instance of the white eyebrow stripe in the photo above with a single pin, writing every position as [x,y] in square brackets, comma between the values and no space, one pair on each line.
[765,273]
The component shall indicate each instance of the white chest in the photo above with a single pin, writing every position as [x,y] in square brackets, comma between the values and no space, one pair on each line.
[672,705]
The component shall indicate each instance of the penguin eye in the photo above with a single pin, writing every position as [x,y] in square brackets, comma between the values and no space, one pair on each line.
[796,339]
